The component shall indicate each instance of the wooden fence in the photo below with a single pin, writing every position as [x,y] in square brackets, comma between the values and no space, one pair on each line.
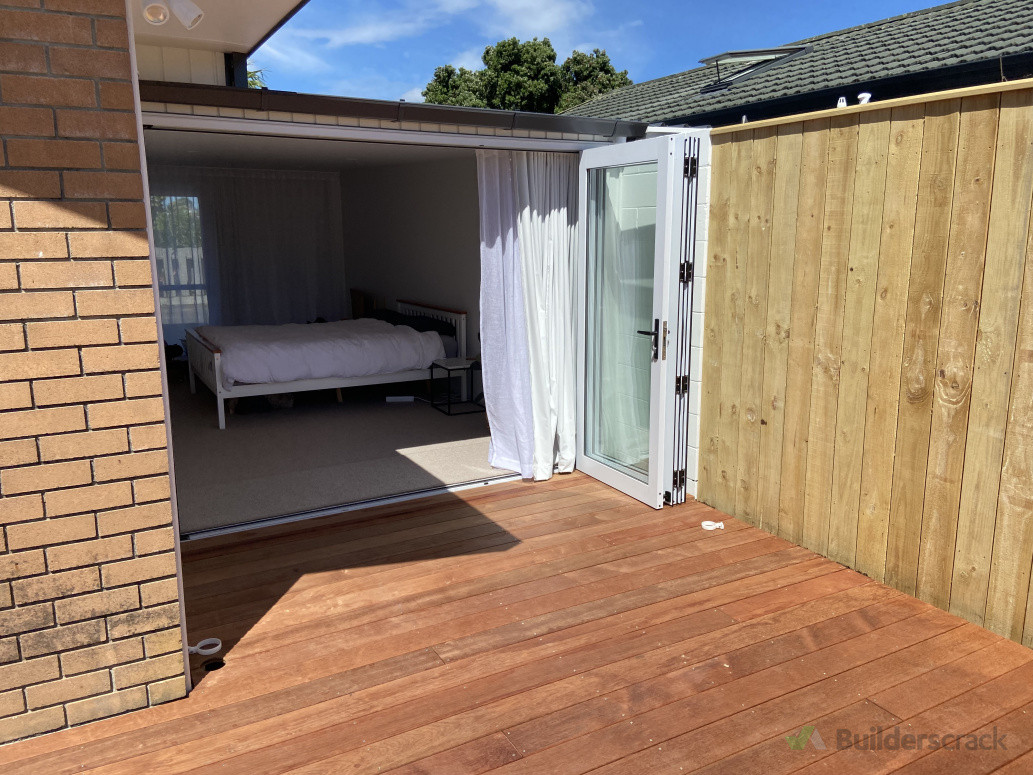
[868,343]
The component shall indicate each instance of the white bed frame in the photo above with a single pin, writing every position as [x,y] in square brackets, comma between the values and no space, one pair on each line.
[205,363]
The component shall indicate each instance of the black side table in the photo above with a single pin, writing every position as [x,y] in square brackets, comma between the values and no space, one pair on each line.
[453,367]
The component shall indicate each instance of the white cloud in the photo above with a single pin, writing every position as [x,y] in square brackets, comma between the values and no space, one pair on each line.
[415,94]
[470,59]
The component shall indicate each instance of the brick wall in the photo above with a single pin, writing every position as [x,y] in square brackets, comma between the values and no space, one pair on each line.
[89,610]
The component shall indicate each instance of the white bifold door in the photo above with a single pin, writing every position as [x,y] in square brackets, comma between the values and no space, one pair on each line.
[636,232]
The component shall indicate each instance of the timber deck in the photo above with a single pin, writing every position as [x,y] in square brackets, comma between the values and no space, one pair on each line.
[554,628]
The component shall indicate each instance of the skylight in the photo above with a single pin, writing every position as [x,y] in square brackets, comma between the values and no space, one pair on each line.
[739,65]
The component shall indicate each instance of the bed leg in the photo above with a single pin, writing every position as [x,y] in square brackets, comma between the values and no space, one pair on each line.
[193,381]
[222,412]
[340,398]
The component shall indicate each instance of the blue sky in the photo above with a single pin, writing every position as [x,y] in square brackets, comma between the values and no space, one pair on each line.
[388,49]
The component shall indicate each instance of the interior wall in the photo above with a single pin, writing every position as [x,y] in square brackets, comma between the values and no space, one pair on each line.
[412,232]
[868,352]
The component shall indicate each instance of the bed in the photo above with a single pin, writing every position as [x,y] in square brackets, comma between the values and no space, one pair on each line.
[238,361]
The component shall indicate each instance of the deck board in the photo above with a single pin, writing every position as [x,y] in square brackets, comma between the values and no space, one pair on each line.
[556,627]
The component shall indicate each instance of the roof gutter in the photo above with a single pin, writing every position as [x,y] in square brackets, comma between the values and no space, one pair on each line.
[384,110]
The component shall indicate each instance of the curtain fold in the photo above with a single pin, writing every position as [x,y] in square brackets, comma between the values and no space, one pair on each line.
[272,242]
[529,202]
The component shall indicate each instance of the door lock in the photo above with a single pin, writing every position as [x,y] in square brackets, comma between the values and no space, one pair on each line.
[655,336]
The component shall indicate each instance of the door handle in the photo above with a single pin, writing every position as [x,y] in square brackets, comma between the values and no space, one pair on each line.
[655,336]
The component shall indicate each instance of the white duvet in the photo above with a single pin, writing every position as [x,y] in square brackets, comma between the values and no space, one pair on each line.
[345,348]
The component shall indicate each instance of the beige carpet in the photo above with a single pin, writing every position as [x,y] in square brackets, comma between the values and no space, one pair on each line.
[318,453]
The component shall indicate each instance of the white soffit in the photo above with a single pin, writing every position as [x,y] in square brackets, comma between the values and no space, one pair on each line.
[228,25]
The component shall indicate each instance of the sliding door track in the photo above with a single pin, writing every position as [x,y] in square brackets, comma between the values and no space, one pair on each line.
[344,507]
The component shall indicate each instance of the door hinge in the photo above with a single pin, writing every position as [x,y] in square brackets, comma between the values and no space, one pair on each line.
[681,385]
[691,167]
[686,272]
[680,478]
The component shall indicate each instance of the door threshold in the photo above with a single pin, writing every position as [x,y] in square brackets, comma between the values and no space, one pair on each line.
[239,527]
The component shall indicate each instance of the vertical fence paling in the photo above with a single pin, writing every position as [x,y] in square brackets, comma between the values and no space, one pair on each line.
[867,364]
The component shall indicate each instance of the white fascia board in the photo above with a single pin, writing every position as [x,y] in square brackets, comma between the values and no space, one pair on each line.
[252,126]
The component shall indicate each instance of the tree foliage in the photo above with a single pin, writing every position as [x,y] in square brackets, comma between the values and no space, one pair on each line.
[523,75]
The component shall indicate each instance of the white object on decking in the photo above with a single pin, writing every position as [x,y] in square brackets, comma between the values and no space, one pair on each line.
[205,362]
[706,524]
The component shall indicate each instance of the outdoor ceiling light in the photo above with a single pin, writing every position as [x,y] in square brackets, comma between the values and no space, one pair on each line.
[155,12]
[188,13]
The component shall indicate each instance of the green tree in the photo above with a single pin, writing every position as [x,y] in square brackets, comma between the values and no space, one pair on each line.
[524,76]
[453,86]
[588,75]
[256,78]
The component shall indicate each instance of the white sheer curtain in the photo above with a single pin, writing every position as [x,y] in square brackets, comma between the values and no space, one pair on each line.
[271,240]
[528,217]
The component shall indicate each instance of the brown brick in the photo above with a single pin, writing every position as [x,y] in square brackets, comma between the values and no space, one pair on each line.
[60,215]
[105,655]
[106,705]
[122,215]
[47,476]
[23,57]
[6,598]
[111,244]
[66,689]
[15,395]
[167,691]
[103,185]
[87,444]
[29,724]
[143,329]
[39,304]
[66,274]
[120,358]
[30,672]
[26,245]
[134,518]
[130,465]
[89,498]
[89,63]
[164,642]
[9,651]
[148,437]
[75,390]
[11,703]
[100,124]
[72,333]
[129,273]
[20,509]
[92,7]
[49,91]
[151,489]
[121,156]
[147,671]
[89,553]
[13,566]
[112,33]
[155,592]
[153,541]
[58,639]
[55,585]
[53,153]
[8,272]
[115,95]
[12,336]
[26,618]
[18,453]
[29,184]
[145,620]
[132,571]
[36,364]
[34,122]
[110,601]
[115,302]
[27,535]
[133,412]
[46,27]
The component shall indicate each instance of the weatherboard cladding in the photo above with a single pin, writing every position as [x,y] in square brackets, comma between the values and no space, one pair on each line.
[960,33]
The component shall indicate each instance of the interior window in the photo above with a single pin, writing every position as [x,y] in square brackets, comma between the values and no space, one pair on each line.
[178,249]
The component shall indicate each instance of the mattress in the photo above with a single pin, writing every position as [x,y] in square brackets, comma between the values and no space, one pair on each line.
[342,349]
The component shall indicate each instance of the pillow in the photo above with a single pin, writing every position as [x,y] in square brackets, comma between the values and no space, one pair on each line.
[420,323]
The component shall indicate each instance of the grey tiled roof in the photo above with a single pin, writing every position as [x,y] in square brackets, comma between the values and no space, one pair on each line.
[959,33]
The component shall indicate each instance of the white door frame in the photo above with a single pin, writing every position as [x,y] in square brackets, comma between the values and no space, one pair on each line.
[668,153]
